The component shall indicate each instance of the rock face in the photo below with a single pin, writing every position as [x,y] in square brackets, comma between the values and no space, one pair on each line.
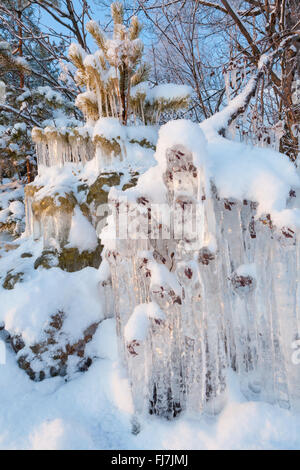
[205,287]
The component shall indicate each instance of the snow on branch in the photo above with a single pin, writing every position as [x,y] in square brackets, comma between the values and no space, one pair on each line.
[220,121]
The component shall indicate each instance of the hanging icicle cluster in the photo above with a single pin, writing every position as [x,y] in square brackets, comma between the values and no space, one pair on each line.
[57,146]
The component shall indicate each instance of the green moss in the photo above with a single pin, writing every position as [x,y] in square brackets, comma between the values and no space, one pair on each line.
[143,143]
[52,204]
[132,182]
[108,147]
[83,187]
[71,260]
[26,255]
[30,190]
[86,211]
[96,192]
[11,280]
[47,260]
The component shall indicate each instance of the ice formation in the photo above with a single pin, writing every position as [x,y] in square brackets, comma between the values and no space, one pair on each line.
[201,255]
[205,282]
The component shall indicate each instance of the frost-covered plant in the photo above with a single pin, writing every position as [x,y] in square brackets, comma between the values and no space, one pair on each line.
[116,78]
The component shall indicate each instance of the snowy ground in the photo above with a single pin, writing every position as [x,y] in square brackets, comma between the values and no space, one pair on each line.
[93,411]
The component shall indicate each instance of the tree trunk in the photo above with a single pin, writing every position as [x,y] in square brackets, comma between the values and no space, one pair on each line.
[28,169]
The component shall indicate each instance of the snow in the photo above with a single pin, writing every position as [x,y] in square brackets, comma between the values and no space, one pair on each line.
[263,175]
[139,133]
[10,191]
[27,308]
[138,324]
[82,233]
[185,133]
[247,270]
[110,128]
[87,95]
[77,50]
[17,209]
[57,180]
[93,411]
[104,344]
[168,92]
[161,276]
[20,126]
[238,170]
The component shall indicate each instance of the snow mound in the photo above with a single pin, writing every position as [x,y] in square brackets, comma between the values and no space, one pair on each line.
[138,324]
[82,233]
[27,308]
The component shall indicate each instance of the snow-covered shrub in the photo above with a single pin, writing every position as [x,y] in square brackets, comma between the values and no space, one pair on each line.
[12,212]
[47,325]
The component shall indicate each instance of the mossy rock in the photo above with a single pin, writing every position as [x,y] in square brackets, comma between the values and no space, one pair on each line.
[71,260]
[30,190]
[83,187]
[96,193]
[108,147]
[132,182]
[11,280]
[143,143]
[8,227]
[86,211]
[26,255]
[53,204]
[47,260]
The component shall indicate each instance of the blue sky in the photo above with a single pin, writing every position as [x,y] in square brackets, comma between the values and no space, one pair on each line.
[98,14]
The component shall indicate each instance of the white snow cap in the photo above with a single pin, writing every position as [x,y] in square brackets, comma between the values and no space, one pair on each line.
[181,132]
[110,128]
[168,92]
[262,175]
[82,234]
[138,324]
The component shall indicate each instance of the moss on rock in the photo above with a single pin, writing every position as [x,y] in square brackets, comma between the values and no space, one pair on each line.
[108,147]
[26,255]
[132,182]
[30,190]
[85,210]
[11,280]
[47,260]
[50,205]
[96,193]
[143,143]
[71,259]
